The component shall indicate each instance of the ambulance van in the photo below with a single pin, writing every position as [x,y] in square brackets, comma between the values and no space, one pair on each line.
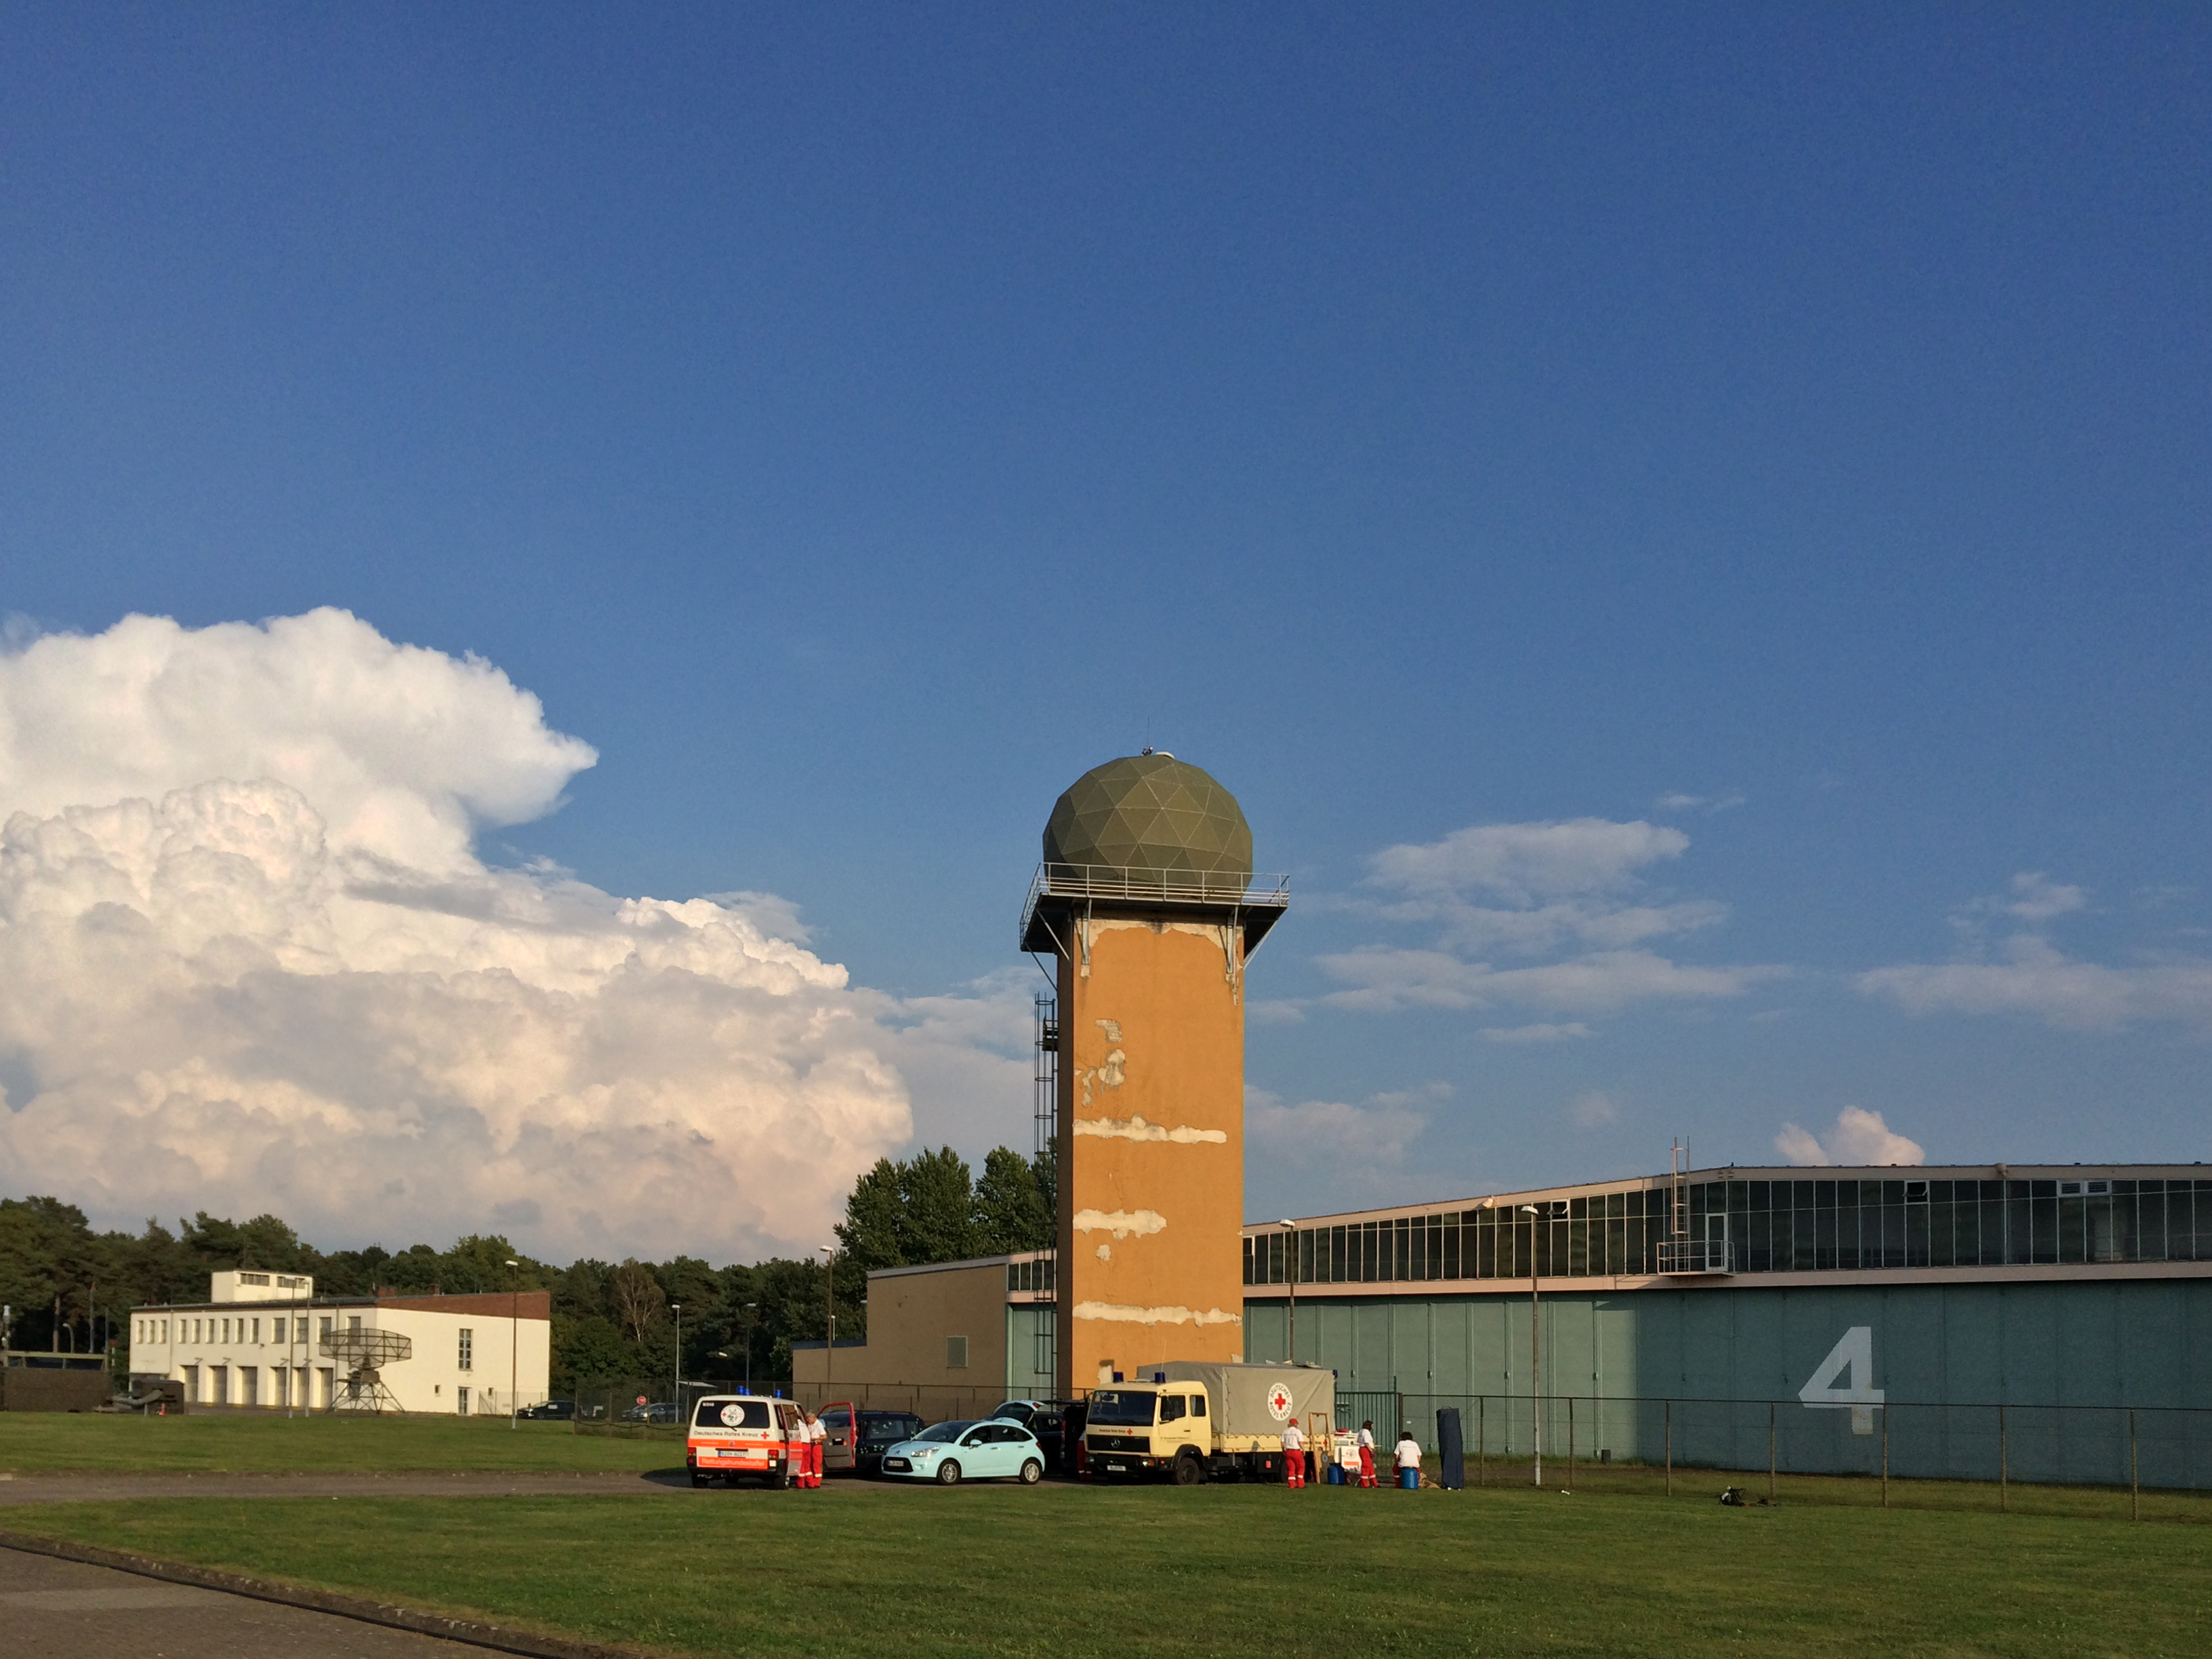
[742,1434]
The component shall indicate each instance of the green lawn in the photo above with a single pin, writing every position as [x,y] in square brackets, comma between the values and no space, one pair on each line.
[35,1441]
[1074,1572]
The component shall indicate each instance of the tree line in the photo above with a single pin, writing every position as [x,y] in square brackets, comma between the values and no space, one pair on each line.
[69,1287]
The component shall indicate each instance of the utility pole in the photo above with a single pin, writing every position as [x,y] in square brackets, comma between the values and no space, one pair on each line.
[1536,1340]
[677,1308]
[830,1296]
[513,1340]
[750,1308]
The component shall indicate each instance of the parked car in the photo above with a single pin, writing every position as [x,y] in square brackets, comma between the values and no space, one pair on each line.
[858,1438]
[551,1411]
[660,1411]
[952,1452]
[1047,1421]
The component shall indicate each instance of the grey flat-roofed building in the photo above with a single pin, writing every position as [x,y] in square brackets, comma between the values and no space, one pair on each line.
[1884,1304]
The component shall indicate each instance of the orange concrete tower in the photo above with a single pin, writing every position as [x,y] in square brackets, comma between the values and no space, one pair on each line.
[1147,901]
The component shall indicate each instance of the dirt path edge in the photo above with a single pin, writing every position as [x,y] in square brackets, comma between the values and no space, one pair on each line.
[497,1638]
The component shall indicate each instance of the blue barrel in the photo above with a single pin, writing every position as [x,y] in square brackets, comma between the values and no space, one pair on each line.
[1410,1480]
[1336,1474]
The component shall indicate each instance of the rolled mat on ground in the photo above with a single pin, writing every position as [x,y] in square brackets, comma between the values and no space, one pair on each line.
[1451,1450]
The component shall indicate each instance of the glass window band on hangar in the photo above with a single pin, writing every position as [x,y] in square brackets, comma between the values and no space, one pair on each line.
[1771,1221]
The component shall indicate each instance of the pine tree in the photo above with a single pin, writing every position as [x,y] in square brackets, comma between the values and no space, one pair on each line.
[1011,1211]
[939,1218]
[871,1235]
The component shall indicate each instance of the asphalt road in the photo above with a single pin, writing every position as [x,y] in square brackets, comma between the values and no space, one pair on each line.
[76,1486]
[64,1607]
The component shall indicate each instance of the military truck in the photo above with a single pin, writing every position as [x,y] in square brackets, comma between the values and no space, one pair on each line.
[1189,1421]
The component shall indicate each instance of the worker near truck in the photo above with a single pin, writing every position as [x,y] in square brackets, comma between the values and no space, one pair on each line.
[1367,1453]
[1294,1454]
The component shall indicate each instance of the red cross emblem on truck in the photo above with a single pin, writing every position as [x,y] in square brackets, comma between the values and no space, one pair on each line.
[1279,1402]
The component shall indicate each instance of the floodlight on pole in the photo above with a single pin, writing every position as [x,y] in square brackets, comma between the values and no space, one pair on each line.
[1290,1274]
[1536,1343]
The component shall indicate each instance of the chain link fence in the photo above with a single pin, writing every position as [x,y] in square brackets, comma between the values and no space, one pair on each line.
[2137,1461]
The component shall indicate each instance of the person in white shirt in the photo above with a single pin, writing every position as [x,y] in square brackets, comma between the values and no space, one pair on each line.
[1409,1456]
[812,1434]
[1367,1453]
[1294,1454]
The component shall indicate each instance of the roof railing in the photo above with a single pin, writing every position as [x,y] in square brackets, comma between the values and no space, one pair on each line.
[1105,881]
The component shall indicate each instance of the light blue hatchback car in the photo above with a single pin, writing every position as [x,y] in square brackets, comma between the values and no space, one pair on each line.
[952,1452]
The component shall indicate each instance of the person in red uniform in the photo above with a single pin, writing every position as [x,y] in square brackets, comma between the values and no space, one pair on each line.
[810,1464]
[1367,1453]
[1294,1454]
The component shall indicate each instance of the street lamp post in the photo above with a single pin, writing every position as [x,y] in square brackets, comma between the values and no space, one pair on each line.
[1535,1343]
[829,1297]
[1290,1273]
[677,1308]
[751,1306]
[513,1341]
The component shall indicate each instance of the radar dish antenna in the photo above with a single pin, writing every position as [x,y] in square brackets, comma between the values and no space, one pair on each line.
[364,1354]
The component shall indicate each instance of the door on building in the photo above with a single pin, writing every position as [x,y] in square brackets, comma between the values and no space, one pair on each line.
[219,1385]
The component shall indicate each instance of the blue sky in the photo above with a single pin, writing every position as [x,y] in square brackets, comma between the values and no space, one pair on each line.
[1791,431]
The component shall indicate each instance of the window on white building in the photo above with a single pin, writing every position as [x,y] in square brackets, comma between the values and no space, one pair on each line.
[468,1349]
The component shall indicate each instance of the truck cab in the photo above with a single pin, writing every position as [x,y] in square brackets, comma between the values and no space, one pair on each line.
[1139,1430]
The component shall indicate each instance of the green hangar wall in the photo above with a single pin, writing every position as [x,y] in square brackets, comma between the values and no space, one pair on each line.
[2069,1359]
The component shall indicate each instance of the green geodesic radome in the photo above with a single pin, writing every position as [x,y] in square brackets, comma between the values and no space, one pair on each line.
[1150,812]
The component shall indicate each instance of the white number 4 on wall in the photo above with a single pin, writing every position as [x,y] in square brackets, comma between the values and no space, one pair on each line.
[1856,1354]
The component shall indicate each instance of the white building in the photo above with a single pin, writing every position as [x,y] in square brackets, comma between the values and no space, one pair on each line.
[266,1340]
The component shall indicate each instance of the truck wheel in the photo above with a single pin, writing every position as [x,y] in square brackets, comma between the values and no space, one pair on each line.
[1032,1472]
[697,1479]
[948,1473]
[1187,1471]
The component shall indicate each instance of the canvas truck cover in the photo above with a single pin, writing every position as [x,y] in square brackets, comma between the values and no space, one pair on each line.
[1246,1396]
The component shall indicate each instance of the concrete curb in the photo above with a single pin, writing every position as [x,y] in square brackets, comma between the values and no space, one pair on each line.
[496,1637]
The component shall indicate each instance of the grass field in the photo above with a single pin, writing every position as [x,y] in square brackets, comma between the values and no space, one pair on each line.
[31,1441]
[1076,1571]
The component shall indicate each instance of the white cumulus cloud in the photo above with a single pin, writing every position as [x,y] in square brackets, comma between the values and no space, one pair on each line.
[1335,1134]
[250,960]
[1857,1138]
[2023,973]
[1566,891]
[1592,1108]
[1525,863]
